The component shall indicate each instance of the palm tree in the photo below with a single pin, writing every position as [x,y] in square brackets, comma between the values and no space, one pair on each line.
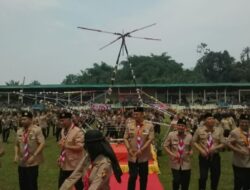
[12,83]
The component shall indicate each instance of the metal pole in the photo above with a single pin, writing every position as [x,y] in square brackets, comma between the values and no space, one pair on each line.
[167,95]
[81,97]
[225,95]
[204,96]
[192,96]
[8,98]
[239,94]
[179,95]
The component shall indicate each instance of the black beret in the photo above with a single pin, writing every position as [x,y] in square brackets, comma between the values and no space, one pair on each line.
[93,136]
[217,116]
[138,109]
[208,114]
[244,117]
[64,115]
[182,121]
[27,114]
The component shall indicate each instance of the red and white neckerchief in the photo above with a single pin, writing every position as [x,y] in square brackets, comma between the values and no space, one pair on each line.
[86,177]
[181,149]
[26,145]
[63,151]
[209,141]
[138,136]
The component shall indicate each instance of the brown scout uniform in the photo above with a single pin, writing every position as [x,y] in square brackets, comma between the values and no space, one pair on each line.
[235,137]
[201,136]
[35,137]
[147,132]
[72,158]
[211,162]
[100,172]
[172,143]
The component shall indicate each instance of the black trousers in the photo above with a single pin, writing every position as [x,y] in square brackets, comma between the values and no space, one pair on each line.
[181,178]
[64,175]
[58,134]
[5,134]
[135,169]
[46,131]
[28,177]
[241,178]
[211,163]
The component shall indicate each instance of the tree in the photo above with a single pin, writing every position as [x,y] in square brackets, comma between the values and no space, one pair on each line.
[71,79]
[12,83]
[35,82]
[151,69]
[202,49]
[215,66]
[99,73]
[244,56]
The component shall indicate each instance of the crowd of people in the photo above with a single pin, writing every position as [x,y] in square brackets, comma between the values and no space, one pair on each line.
[86,159]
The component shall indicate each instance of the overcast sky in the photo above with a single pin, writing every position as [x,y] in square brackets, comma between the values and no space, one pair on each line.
[39,39]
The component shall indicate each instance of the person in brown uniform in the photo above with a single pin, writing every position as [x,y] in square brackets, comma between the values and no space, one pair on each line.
[138,137]
[96,167]
[28,152]
[239,142]
[71,145]
[178,146]
[208,140]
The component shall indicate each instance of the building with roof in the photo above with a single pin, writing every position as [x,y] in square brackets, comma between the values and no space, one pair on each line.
[182,94]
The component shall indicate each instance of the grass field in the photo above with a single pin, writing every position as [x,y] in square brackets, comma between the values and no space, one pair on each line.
[48,172]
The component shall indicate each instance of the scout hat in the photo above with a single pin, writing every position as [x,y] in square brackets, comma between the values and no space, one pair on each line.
[64,115]
[138,109]
[244,117]
[27,114]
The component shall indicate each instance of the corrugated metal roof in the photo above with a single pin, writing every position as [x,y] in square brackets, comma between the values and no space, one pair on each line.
[126,85]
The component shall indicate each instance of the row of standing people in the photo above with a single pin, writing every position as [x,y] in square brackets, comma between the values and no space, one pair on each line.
[138,136]
[30,143]
[209,140]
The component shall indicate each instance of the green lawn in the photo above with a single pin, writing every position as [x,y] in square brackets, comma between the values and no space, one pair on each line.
[48,172]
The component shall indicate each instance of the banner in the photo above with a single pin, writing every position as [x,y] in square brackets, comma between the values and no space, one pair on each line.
[100,107]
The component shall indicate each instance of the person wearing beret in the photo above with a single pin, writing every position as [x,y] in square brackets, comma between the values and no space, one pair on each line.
[28,152]
[138,137]
[178,145]
[209,140]
[97,166]
[71,148]
[239,143]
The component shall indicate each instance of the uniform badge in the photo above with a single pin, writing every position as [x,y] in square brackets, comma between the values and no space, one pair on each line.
[104,173]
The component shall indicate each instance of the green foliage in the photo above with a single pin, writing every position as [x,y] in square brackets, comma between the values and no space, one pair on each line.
[211,67]
[12,83]
[96,75]
[215,66]
[35,82]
